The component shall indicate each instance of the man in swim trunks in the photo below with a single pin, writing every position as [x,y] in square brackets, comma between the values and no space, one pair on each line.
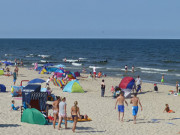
[120,100]
[135,101]
[56,109]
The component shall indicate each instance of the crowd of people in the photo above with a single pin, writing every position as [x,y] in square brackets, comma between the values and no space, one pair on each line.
[59,111]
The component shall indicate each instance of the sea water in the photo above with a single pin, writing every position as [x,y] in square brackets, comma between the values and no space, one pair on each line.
[152,58]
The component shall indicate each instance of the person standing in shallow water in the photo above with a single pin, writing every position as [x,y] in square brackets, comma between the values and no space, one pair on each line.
[162,79]
[177,86]
[133,69]
[102,88]
[126,69]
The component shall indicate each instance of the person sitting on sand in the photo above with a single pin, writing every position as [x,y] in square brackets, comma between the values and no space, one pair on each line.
[90,75]
[13,107]
[112,90]
[49,91]
[155,88]
[167,109]
[74,113]
[99,75]
[8,71]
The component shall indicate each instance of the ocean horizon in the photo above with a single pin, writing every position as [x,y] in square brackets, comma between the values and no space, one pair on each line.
[152,58]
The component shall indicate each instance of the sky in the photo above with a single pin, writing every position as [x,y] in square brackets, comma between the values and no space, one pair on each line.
[159,19]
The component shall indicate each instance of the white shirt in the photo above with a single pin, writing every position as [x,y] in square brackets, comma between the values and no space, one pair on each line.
[61,108]
[48,80]
[94,69]
[138,81]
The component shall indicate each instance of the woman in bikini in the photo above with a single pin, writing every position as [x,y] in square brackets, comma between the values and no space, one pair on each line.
[74,113]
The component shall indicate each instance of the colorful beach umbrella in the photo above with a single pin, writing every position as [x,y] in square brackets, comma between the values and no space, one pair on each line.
[60,66]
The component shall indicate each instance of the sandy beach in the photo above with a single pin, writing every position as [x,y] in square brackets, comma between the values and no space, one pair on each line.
[150,121]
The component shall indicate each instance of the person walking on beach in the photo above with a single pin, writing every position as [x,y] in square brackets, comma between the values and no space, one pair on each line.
[75,112]
[15,62]
[138,83]
[18,62]
[162,79]
[14,77]
[102,88]
[177,86]
[17,69]
[56,109]
[135,101]
[126,69]
[47,82]
[62,113]
[120,100]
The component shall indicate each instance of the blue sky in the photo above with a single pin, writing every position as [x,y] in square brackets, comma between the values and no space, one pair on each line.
[90,19]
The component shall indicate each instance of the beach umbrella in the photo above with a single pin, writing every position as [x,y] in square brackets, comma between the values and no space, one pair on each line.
[7,63]
[127,83]
[59,71]
[37,80]
[48,64]
[60,66]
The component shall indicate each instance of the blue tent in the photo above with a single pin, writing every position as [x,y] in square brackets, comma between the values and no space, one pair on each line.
[48,64]
[59,71]
[52,69]
[73,87]
[37,80]
[60,66]
[7,63]
[2,88]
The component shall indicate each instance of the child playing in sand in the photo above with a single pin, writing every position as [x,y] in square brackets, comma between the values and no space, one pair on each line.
[13,107]
[112,90]
[167,109]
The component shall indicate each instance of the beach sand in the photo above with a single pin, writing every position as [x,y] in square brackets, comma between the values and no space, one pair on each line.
[150,121]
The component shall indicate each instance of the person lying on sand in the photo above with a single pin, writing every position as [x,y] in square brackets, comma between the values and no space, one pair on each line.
[81,117]
[167,109]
